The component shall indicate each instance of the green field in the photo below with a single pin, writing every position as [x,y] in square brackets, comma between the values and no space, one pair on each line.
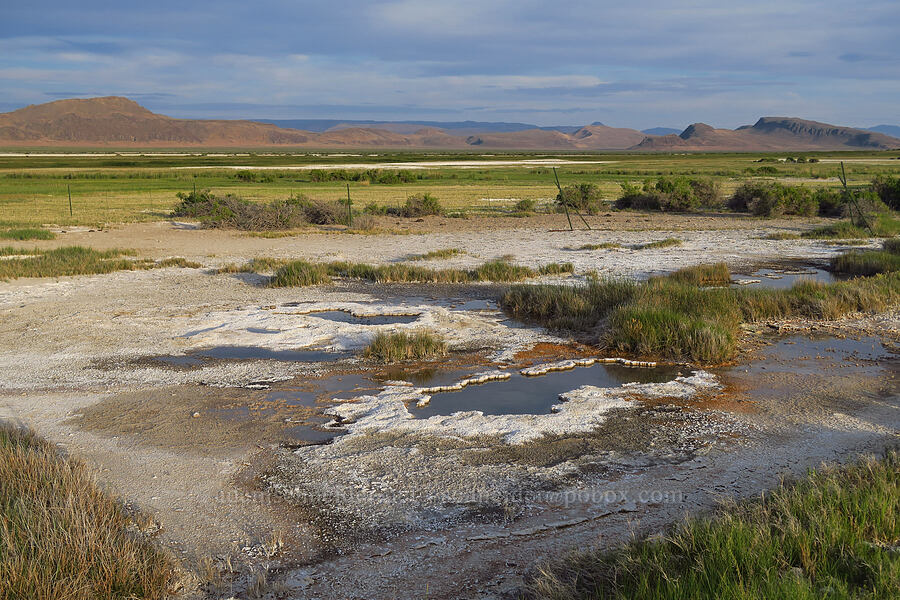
[115,188]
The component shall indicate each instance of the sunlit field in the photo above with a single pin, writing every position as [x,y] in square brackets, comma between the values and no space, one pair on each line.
[110,188]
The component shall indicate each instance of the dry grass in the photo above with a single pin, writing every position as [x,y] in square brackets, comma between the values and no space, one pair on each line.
[61,536]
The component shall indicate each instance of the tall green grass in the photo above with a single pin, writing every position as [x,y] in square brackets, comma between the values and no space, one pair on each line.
[398,346]
[833,534]
[61,536]
[27,233]
[674,318]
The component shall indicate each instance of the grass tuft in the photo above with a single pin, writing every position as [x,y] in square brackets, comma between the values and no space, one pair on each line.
[832,534]
[27,233]
[782,235]
[437,254]
[702,275]
[665,243]
[61,536]
[393,347]
[603,246]
[300,273]
[866,264]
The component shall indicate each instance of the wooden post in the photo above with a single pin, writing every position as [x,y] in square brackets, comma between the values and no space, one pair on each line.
[349,209]
[69,191]
[563,198]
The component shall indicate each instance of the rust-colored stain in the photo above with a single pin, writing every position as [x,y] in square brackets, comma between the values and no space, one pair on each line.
[546,351]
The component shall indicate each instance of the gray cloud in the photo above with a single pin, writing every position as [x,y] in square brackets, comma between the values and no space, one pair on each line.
[658,62]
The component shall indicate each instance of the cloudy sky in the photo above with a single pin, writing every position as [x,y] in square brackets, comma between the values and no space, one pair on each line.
[638,64]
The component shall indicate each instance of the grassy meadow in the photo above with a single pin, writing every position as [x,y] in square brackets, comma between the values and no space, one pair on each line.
[108,188]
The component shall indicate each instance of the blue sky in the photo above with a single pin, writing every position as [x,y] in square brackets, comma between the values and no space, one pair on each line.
[631,64]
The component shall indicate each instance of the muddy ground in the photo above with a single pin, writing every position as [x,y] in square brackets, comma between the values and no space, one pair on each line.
[224,453]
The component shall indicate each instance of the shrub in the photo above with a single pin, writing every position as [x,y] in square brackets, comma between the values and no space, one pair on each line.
[887,187]
[319,212]
[525,205]
[393,347]
[417,205]
[831,202]
[772,199]
[676,193]
[232,212]
[584,197]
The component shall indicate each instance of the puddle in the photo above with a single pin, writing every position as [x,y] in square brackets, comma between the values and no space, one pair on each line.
[425,377]
[319,391]
[257,353]
[804,355]
[200,357]
[536,395]
[784,278]
[342,316]
[304,435]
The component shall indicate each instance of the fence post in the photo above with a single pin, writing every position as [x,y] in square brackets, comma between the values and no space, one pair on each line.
[69,191]
[349,209]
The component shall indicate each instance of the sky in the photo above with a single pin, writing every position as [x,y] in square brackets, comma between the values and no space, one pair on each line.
[641,64]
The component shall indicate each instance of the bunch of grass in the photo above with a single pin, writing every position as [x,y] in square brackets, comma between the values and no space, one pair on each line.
[27,233]
[398,346]
[61,536]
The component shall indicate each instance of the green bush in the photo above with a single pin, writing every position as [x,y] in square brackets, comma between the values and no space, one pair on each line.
[773,199]
[417,205]
[232,212]
[525,205]
[584,197]
[674,193]
[887,187]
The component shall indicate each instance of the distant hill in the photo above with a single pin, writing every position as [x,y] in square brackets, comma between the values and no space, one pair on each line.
[116,121]
[771,133]
[661,131]
[456,127]
[891,130]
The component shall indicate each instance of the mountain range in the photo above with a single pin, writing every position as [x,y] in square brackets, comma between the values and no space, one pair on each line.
[117,121]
